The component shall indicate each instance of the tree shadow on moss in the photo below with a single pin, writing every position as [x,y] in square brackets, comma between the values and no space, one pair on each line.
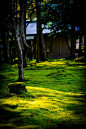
[4,91]
[6,115]
[10,119]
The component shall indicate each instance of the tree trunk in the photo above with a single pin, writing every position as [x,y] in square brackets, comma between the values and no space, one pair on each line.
[50,47]
[85,48]
[80,50]
[40,46]
[66,39]
[22,33]
[8,46]
[43,50]
[20,53]
[4,46]
[72,53]
[38,34]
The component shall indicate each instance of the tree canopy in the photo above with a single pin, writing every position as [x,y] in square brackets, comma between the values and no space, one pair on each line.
[63,13]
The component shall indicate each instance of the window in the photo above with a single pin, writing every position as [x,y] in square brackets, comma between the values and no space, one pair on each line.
[77,45]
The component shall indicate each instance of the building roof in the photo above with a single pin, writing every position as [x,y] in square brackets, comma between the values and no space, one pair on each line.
[31,29]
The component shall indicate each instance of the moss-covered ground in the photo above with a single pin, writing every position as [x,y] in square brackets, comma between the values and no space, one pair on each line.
[55,97]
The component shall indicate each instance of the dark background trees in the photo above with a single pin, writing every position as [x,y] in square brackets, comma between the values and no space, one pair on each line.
[65,15]
[10,17]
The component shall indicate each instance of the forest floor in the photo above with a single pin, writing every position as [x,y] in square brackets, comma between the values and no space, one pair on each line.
[55,97]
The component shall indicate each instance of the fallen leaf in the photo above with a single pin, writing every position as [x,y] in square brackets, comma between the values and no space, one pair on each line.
[48,121]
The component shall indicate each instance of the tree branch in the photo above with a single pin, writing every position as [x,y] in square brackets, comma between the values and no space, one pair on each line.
[22,30]
[16,35]
[23,10]
[67,42]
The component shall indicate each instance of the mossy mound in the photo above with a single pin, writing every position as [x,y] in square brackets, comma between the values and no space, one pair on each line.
[82,59]
[17,87]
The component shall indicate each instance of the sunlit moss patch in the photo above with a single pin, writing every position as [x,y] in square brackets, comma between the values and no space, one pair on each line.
[55,97]
[47,106]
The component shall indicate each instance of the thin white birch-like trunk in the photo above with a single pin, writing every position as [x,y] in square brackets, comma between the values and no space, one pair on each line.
[25,46]
[22,29]
[20,53]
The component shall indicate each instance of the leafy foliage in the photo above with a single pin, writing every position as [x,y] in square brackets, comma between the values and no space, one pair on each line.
[63,13]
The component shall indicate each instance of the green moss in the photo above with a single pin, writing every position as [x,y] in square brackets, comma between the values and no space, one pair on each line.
[55,97]
[17,87]
[82,58]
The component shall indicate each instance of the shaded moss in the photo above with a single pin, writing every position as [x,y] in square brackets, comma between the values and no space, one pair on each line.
[17,87]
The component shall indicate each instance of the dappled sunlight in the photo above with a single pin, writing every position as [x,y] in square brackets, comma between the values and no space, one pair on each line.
[28,127]
[55,96]
[15,66]
[48,104]
[46,63]
[53,63]
[57,63]
[82,66]
[47,91]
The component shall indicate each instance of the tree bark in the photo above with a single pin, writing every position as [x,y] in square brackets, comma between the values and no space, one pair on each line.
[20,53]
[8,46]
[40,46]
[85,48]
[38,34]
[50,47]
[4,46]
[44,53]
[80,50]
[66,39]
[25,46]
[72,53]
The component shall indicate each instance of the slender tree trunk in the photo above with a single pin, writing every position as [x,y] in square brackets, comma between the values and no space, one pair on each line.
[66,39]
[8,46]
[72,53]
[43,50]
[40,46]
[38,34]
[23,39]
[80,50]
[50,47]
[20,53]
[85,48]
[4,46]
